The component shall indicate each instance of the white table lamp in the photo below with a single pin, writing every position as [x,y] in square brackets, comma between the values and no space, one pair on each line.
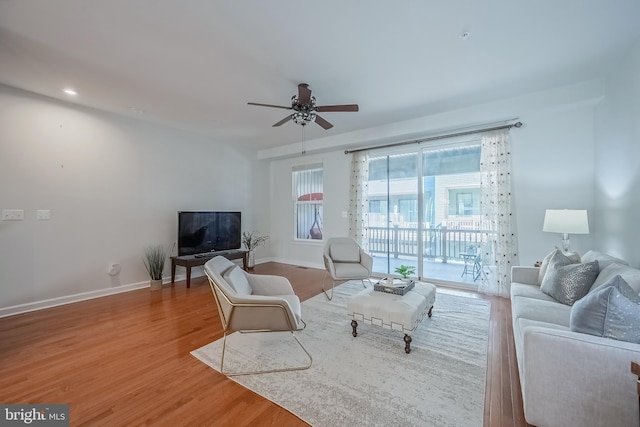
[566,221]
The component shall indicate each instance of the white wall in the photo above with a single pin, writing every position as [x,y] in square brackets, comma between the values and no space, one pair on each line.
[113,185]
[618,162]
[553,167]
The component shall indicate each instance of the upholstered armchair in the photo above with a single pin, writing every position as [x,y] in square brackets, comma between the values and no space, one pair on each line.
[344,259]
[254,303]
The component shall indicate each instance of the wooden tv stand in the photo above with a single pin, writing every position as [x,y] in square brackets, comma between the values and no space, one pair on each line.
[189,261]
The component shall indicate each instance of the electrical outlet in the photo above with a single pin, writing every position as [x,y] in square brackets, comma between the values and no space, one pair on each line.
[114,269]
[12,214]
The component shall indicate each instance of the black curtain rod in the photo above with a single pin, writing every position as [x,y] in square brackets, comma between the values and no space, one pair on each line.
[434,138]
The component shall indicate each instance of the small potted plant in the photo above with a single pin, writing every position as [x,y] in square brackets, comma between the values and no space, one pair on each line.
[154,259]
[251,240]
[405,270]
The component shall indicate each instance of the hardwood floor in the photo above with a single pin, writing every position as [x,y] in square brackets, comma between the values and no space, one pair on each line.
[125,360]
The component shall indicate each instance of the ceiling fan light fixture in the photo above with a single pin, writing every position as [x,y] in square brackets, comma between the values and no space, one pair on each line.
[303,117]
[304,109]
[295,103]
[304,113]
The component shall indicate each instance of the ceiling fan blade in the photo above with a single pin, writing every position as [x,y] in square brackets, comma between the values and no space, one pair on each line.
[304,94]
[283,121]
[269,105]
[322,122]
[332,108]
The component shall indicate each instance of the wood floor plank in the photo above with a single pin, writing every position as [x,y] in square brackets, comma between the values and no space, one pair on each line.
[125,359]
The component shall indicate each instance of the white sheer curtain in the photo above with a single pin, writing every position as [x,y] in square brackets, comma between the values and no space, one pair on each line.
[500,244]
[359,199]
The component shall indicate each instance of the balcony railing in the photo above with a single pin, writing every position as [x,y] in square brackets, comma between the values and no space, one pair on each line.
[439,243]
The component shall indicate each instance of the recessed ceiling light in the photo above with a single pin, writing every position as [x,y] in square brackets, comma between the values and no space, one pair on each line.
[464,35]
[70,91]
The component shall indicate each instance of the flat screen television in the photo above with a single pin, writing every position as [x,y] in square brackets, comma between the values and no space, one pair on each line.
[200,232]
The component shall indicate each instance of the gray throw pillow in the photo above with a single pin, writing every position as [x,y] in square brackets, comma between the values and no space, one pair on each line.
[629,274]
[555,256]
[568,283]
[611,311]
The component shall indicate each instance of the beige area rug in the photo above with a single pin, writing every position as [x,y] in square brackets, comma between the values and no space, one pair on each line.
[369,380]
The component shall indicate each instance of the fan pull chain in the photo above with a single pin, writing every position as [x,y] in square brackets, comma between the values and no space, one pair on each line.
[304,148]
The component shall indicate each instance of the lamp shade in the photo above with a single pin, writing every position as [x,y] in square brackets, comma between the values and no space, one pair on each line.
[566,221]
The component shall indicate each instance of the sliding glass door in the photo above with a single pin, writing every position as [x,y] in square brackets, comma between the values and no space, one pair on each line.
[424,211]
[393,210]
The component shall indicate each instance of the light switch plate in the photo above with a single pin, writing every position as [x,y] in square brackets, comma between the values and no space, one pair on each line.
[12,214]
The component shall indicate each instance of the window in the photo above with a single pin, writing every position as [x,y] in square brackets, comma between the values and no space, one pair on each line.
[464,202]
[307,201]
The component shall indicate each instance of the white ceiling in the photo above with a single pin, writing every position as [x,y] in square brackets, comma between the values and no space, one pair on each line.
[195,64]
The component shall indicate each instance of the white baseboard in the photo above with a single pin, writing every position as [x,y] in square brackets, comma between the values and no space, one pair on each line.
[299,263]
[83,296]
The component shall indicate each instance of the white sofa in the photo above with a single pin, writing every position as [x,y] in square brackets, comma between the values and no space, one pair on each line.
[569,378]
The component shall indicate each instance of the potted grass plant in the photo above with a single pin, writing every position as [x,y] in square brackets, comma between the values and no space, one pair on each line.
[154,259]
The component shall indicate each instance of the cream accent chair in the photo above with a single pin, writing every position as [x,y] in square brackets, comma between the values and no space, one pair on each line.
[254,303]
[344,259]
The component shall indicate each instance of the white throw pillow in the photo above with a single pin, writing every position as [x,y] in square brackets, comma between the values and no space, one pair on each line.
[344,252]
[603,259]
[237,279]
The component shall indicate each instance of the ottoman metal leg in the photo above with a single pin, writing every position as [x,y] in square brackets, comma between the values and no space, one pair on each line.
[354,325]
[430,313]
[407,345]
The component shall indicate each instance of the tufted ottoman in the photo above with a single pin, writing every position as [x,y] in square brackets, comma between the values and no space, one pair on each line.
[396,312]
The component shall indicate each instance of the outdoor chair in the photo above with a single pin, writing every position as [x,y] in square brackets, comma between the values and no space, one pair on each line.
[472,263]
